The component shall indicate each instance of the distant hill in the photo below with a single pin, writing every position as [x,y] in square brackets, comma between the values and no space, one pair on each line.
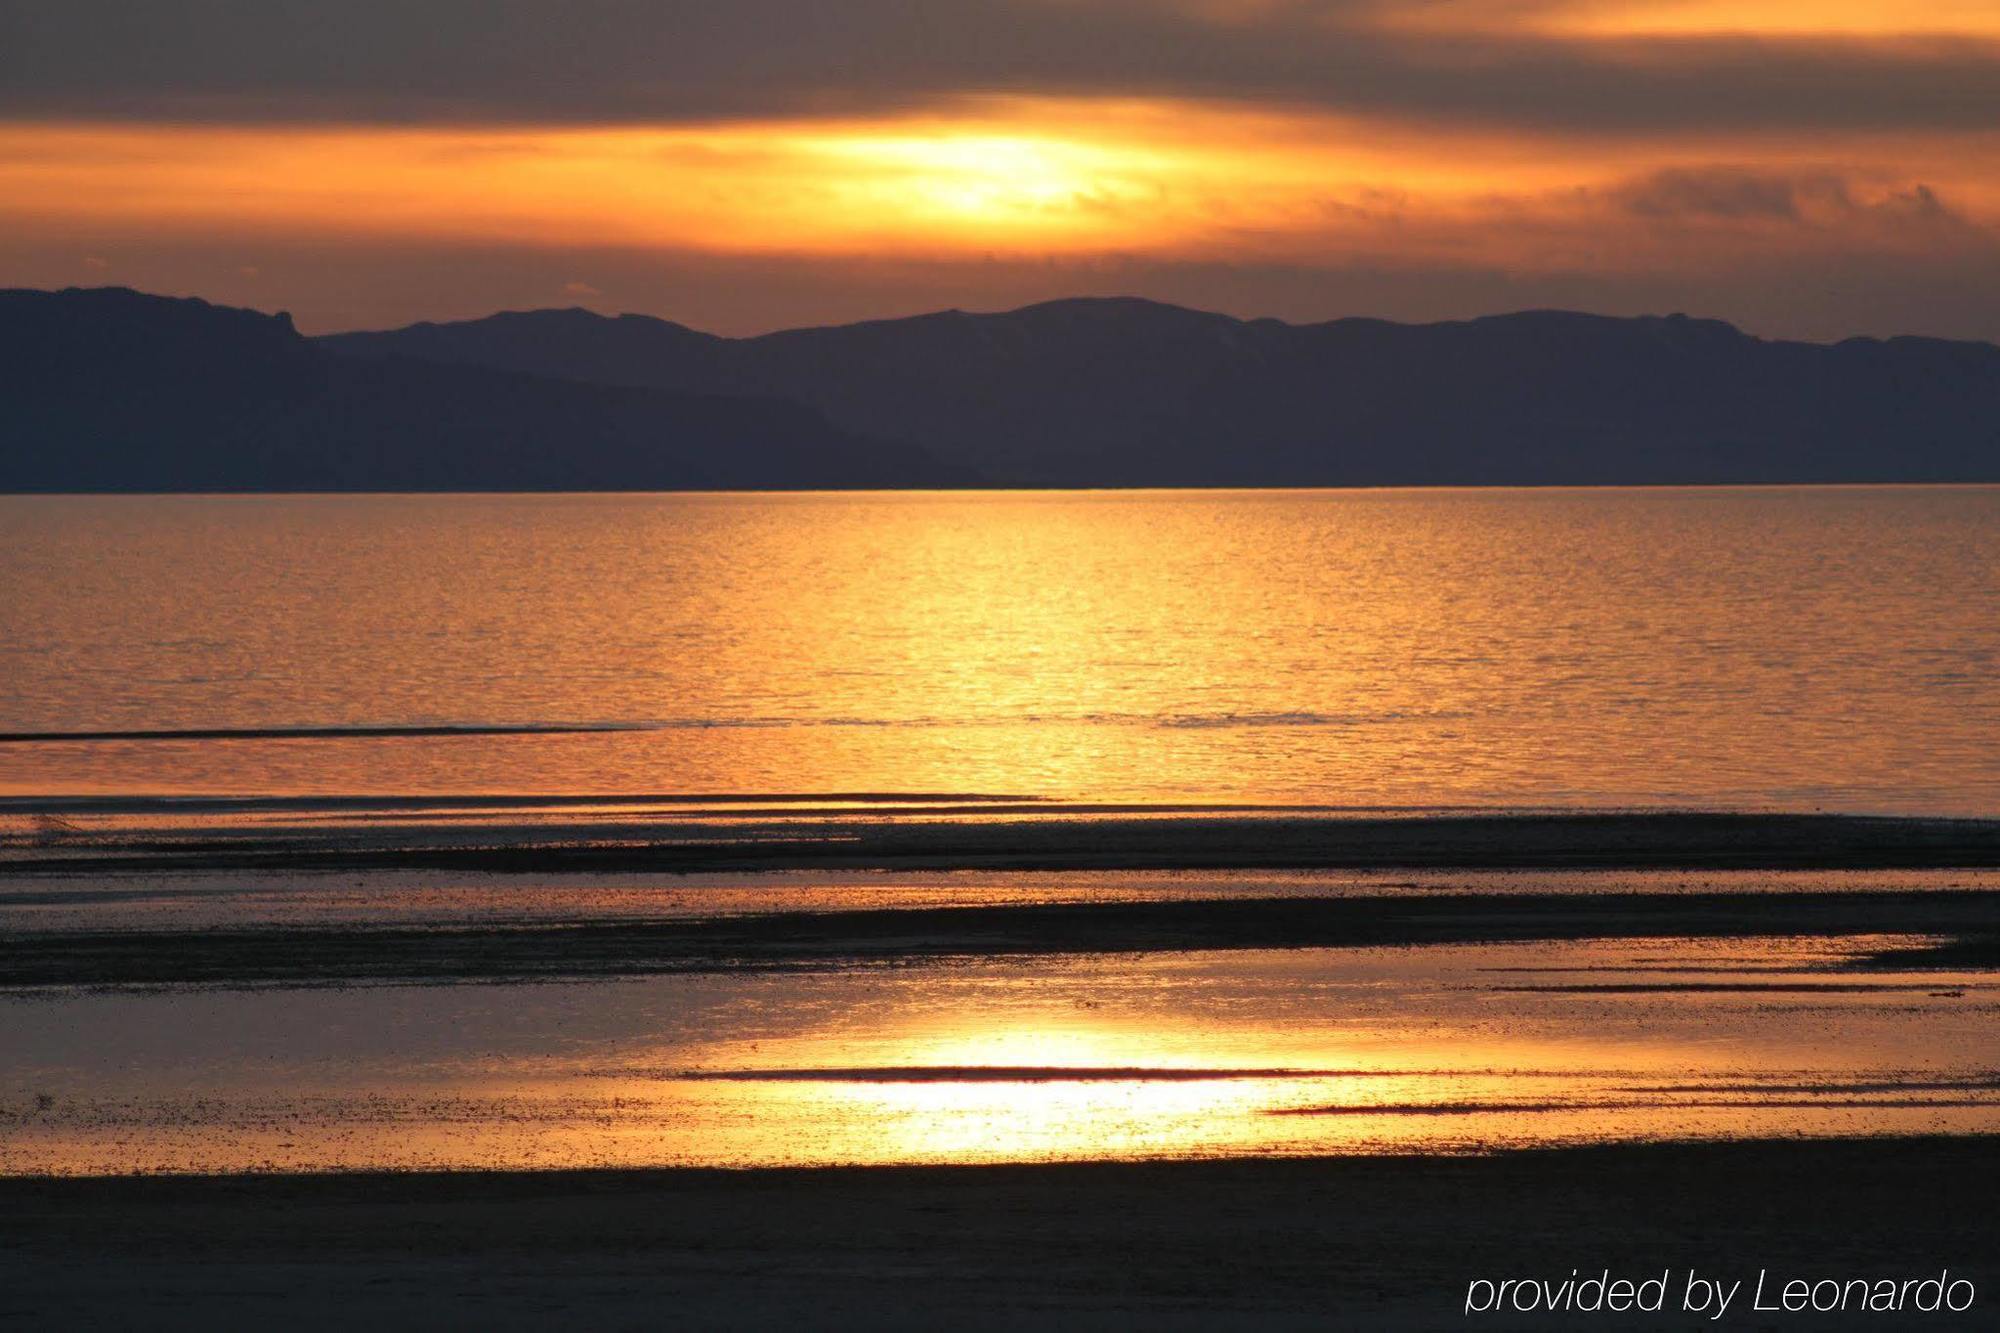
[112,390]
[1130,392]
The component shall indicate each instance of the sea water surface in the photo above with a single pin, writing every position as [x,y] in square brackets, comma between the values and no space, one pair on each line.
[1831,648]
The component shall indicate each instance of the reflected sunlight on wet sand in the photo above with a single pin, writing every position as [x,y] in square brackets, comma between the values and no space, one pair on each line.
[1328,1051]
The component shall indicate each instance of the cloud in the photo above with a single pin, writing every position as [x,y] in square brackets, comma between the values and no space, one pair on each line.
[1721,192]
[1444,157]
[1169,184]
[639,61]
[1818,201]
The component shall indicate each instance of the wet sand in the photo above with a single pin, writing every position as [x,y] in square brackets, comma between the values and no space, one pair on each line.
[1373,1242]
[1451,1049]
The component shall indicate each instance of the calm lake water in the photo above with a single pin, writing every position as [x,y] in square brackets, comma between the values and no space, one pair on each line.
[1835,648]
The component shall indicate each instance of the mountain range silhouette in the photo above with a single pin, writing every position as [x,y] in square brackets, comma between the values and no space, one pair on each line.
[113,390]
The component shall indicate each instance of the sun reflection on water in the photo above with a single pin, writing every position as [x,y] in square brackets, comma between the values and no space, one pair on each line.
[1288,1052]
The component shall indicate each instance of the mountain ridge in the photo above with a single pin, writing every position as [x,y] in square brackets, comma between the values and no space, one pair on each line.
[586,315]
[1128,391]
[109,389]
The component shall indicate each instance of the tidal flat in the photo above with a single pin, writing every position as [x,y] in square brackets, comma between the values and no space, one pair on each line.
[902,1062]
[208,1019]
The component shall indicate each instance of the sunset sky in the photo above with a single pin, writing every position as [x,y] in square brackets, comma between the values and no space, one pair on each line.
[1805,167]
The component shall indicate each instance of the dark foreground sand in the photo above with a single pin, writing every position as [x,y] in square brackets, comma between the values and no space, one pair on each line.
[1328,1243]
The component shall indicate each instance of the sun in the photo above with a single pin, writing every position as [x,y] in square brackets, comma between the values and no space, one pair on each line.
[1009,182]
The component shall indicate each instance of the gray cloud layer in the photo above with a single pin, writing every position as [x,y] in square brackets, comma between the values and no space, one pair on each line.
[648,60]
[1736,195]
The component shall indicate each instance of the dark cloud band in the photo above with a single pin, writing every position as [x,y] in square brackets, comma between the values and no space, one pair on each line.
[663,60]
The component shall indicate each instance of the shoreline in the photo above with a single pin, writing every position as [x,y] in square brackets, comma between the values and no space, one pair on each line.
[1389,1242]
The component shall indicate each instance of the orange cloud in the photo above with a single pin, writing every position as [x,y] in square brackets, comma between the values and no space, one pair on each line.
[1019,177]
[1871,18]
